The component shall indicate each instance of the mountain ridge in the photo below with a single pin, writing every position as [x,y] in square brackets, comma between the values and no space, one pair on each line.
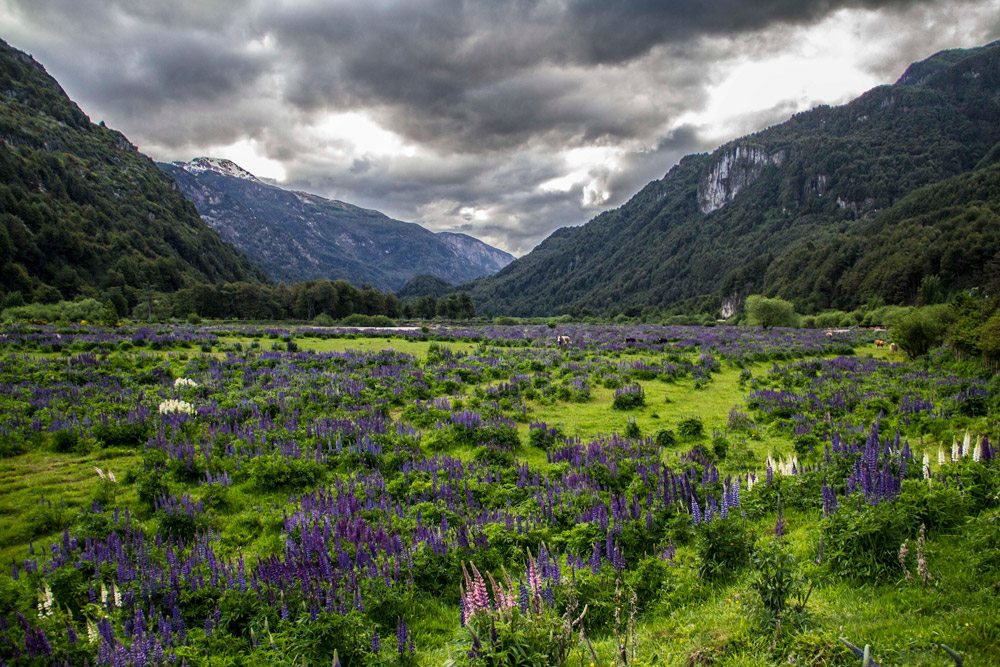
[297,235]
[710,228]
[83,212]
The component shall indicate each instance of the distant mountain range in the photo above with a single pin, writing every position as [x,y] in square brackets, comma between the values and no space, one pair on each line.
[298,236]
[82,212]
[833,208]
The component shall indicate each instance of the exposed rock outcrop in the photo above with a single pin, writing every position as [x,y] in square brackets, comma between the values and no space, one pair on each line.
[735,169]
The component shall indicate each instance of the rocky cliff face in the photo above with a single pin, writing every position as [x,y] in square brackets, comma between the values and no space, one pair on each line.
[734,170]
[488,258]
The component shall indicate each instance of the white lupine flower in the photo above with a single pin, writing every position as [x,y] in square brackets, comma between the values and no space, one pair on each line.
[92,634]
[955,451]
[100,473]
[173,405]
[184,382]
[966,444]
[927,466]
[45,601]
[977,453]
[104,593]
[941,460]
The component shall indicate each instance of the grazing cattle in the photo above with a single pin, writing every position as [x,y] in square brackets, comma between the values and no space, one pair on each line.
[879,342]
[829,334]
[893,347]
[563,341]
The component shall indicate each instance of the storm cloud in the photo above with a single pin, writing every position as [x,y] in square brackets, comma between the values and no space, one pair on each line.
[504,120]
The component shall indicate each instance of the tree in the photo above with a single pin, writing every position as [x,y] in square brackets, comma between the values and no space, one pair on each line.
[921,329]
[769,312]
[989,337]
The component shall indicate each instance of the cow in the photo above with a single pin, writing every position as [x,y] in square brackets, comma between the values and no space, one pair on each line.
[829,333]
[893,348]
[879,342]
[563,341]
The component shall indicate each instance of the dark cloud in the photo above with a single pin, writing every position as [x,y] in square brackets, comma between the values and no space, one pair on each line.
[489,99]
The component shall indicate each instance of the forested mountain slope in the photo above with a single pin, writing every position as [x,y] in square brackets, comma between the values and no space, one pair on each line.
[82,212]
[771,212]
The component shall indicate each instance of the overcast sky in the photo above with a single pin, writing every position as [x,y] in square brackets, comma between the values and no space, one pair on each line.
[505,120]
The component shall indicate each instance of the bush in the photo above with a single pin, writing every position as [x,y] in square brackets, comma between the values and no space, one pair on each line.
[275,473]
[314,642]
[767,312]
[649,579]
[543,437]
[629,397]
[122,434]
[862,541]
[777,579]
[65,441]
[359,320]
[665,438]
[724,547]
[692,427]
[921,329]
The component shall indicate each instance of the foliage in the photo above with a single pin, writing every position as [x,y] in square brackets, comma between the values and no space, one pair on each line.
[921,329]
[766,312]
[724,547]
[861,541]
[777,579]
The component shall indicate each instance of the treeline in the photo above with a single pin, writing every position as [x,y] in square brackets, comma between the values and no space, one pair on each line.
[323,301]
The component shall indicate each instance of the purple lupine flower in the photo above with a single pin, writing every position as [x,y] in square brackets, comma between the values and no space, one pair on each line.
[695,510]
[377,642]
[402,634]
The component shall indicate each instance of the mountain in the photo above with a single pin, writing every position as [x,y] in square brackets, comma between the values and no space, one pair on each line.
[82,212]
[814,209]
[298,236]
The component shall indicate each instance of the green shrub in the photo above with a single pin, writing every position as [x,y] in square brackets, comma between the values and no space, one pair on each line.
[649,580]
[65,441]
[544,437]
[314,642]
[271,473]
[862,541]
[665,438]
[766,312]
[122,434]
[921,329]
[359,320]
[724,547]
[629,397]
[692,427]
[149,486]
[777,580]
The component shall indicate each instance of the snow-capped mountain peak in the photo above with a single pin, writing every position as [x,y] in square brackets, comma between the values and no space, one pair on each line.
[222,166]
